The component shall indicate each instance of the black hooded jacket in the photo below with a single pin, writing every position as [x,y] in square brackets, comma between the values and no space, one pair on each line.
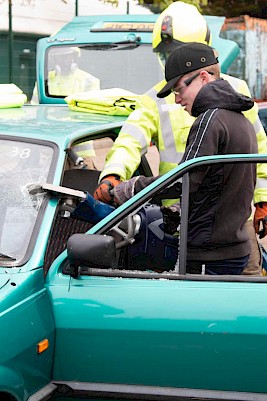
[220,195]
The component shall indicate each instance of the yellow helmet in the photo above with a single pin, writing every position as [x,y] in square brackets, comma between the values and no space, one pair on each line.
[177,24]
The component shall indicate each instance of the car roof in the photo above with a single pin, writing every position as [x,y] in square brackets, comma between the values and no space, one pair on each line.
[55,123]
[118,27]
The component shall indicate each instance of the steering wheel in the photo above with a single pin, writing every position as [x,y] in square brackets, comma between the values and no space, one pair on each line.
[125,231]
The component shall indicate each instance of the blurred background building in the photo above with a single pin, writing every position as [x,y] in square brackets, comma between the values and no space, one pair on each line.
[23,22]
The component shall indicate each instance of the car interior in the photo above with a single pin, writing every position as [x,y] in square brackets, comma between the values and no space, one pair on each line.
[141,243]
[82,177]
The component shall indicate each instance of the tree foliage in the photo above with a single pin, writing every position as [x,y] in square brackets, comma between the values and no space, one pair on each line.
[160,5]
[227,8]
[234,8]
[157,6]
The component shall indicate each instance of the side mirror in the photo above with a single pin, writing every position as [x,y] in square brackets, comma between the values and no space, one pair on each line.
[94,251]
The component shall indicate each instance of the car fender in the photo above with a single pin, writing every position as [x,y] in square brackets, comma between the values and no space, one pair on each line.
[11,382]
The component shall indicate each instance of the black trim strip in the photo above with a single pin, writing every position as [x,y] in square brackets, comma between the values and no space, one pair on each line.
[140,393]
[168,276]
[182,255]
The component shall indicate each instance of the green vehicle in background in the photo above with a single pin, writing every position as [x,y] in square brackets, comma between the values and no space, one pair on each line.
[111,314]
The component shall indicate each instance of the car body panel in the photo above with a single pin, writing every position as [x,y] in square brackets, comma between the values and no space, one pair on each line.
[26,310]
[25,305]
[67,125]
[161,333]
[123,330]
[106,327]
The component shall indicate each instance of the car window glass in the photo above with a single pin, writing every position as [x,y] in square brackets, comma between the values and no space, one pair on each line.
[22,164]
[263,118]
[81,69]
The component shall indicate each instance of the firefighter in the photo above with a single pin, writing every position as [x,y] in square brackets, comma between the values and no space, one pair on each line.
[168,124]
[65,77]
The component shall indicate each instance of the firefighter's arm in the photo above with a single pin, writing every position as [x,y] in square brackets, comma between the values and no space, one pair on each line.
[115,192]
[127,189]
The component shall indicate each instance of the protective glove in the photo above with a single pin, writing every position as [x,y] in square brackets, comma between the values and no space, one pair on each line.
[260,216]
[104,189]
[171,218]
[127,189]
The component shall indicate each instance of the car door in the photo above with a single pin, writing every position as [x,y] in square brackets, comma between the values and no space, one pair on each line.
[147,330]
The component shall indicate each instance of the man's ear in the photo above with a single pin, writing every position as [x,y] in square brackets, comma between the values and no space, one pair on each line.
[205,76]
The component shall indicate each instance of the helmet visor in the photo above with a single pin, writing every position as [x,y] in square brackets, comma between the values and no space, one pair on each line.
[168,46]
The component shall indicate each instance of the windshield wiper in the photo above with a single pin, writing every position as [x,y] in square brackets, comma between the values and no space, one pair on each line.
[125,44]
[7,257]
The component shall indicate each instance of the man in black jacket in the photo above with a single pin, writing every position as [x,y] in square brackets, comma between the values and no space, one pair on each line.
[220,195]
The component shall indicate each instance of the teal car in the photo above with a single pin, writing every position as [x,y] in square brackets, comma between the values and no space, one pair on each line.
[114,50]
[106,310]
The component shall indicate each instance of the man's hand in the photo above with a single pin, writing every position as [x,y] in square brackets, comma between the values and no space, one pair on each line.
[104,190]
[171,218]
[260,216]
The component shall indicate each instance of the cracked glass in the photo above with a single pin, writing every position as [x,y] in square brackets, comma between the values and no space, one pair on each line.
[23,165]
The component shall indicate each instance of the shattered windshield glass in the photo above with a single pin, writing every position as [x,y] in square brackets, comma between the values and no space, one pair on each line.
[22,164]
[72,69]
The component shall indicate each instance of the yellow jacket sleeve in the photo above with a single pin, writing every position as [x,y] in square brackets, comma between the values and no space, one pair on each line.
[135,137]
[160,121]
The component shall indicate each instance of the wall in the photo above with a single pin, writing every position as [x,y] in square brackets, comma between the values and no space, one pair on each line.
[42,18]
[251,64]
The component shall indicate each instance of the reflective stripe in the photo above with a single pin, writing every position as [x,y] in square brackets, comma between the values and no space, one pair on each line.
[115,166]
[152,93]
[137,134]
[136,115]
[258,125]
[169,155]
[170,107]
[261,183]
[234,82]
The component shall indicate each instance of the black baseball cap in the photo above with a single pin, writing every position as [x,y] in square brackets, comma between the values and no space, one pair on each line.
[187,58]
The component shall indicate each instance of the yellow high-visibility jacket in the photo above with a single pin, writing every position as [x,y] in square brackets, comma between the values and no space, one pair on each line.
[113,101]
[167,125]
[76,81]
[11,96]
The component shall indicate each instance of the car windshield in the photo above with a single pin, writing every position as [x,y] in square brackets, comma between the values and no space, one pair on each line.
[22,165]
[101,66]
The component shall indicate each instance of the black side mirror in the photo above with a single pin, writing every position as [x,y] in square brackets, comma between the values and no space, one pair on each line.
[93,251]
